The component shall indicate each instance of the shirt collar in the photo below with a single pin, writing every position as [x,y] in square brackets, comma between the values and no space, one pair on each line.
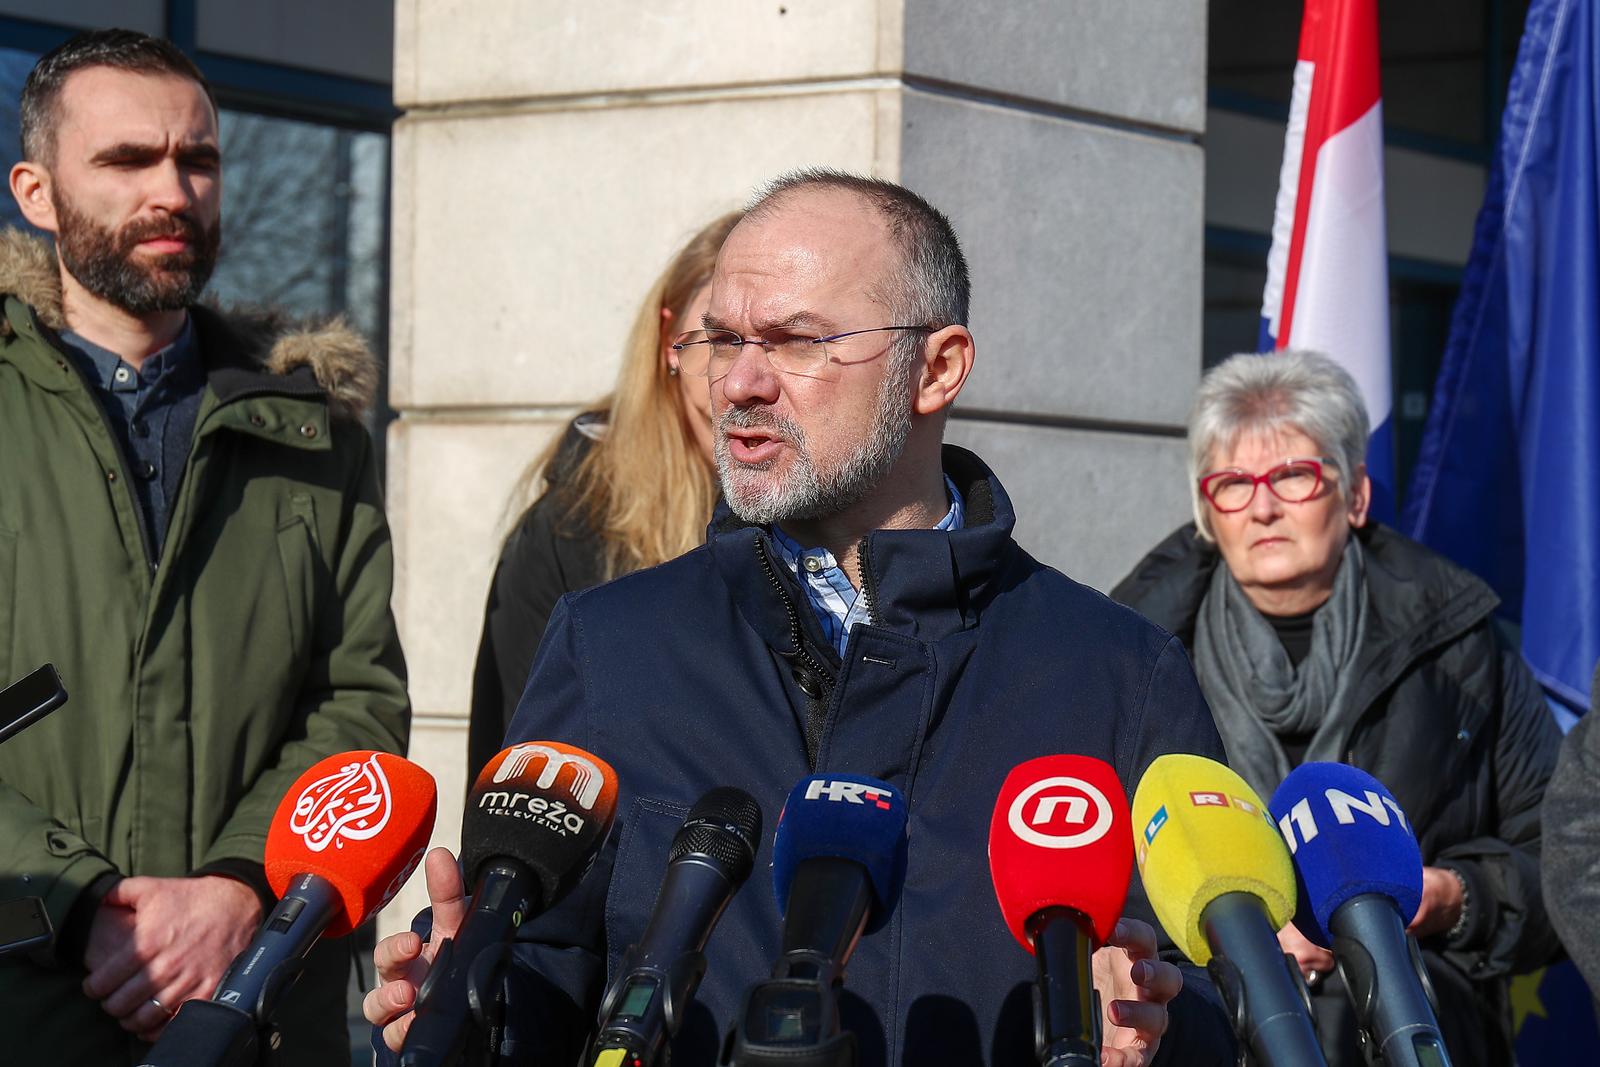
[792,551]
[111,372]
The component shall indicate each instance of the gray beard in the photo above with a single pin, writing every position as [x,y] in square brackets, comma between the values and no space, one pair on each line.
[808,492]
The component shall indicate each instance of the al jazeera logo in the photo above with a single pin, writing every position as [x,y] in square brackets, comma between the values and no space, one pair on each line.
[352,804]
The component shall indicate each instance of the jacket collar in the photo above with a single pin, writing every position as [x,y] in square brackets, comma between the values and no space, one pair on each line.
[246,351]
[1421,600]
[923,583]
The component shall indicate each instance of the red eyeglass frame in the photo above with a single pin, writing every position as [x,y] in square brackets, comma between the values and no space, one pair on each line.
[1265,478]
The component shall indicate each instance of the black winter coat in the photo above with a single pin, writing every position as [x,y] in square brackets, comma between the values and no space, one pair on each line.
[551,552]
[1455,725]
[1572,843]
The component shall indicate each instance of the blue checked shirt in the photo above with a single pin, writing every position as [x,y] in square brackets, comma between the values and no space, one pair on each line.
[836,602]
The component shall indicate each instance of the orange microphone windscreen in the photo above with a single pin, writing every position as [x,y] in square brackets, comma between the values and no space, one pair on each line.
[360,820]
[546,805]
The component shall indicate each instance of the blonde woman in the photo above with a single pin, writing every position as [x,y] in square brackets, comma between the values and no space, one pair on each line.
[629,485]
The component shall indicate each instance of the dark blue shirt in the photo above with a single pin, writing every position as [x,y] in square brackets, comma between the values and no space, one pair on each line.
[152,411]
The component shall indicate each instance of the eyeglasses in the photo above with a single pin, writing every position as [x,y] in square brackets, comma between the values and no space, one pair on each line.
[1294,481]
[709,353]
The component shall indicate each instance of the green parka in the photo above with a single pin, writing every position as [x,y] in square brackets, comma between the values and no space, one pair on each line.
[200,684]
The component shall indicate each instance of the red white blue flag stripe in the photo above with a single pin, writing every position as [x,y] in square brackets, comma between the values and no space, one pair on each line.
[1327,273]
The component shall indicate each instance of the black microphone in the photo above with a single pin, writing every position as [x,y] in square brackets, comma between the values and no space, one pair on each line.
[838,861]
[710,859]
[345,837]
[535,818]
[1361,871]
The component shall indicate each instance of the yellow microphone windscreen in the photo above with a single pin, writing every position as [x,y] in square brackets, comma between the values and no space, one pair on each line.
[1198,832]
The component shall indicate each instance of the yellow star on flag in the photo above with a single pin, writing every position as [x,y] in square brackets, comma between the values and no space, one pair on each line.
[1525,998]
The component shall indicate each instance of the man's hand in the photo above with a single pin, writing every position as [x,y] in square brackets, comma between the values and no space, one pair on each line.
[1441,903]
[402,960]
[157,942]
[1135,988]
[1315,961]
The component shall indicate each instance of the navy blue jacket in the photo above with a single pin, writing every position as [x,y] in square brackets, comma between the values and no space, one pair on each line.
[711,670]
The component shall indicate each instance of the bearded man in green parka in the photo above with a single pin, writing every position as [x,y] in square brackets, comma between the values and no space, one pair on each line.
[191,530]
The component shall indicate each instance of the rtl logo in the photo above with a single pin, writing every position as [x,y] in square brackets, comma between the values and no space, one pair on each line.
[1210,799]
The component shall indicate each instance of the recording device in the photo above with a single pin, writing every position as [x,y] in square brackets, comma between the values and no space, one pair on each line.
[1060,857]
[1361,881]
[710,858]
[535,818]
[29,699]
[344,839]
[1222,885]
[838,861]
[24,923]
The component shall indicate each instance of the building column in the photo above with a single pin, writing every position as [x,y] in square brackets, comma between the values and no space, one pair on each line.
[553,155]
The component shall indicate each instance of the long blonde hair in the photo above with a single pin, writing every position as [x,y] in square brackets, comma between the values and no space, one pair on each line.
[645,488]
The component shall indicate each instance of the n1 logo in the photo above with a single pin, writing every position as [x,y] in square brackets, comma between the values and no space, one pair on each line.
[1060,812]
[1299,825]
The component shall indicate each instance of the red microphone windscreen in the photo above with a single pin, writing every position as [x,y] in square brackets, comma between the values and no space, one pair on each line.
[360,820]
[544,804]
[1060,837]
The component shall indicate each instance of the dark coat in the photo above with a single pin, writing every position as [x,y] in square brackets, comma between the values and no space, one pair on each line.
[711,670]
[1455,725]
[552,551]
[1572,843]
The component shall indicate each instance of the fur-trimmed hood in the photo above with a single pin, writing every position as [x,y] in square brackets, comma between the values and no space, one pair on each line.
[337,355]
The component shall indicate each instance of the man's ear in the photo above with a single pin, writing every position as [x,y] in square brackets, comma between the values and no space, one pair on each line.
[30,187]
[947,357]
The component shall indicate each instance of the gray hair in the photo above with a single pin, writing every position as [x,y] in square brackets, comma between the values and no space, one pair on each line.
[1251,394]
[932,282]
[931,286]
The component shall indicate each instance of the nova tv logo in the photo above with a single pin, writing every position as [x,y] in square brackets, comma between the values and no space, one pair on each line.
[1060,812]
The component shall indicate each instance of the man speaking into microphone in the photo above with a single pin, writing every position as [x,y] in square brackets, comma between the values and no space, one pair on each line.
[860,608]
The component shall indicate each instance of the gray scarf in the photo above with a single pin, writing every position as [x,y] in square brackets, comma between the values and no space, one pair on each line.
[1256,694]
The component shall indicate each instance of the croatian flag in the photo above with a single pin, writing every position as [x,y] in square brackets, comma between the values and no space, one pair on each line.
[1328,272]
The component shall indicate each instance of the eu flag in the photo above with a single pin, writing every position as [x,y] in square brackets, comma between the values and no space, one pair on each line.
[1508,480]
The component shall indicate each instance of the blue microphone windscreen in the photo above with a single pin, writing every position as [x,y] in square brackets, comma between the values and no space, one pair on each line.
[846,816]
[1348,837]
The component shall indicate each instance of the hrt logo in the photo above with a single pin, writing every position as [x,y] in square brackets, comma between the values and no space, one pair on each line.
[586,783]
[848,793]
[1060,812]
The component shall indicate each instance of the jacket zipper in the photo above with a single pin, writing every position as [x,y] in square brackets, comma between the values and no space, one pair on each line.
[817,714]
[868,586]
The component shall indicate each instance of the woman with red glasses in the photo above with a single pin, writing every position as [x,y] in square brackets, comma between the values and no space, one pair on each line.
[1318,634]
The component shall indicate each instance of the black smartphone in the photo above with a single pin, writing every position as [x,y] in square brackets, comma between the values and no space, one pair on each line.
[25,702]
[24,924]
